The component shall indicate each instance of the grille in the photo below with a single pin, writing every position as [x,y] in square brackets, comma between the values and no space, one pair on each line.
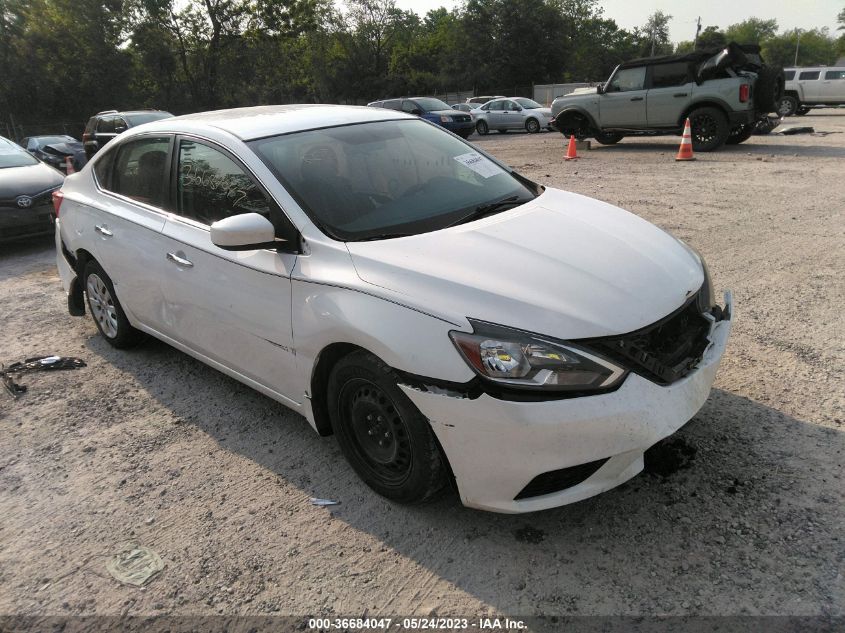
[557,480]
[462,117]
[663,352]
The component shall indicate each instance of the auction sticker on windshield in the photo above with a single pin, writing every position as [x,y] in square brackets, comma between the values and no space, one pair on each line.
[479,164]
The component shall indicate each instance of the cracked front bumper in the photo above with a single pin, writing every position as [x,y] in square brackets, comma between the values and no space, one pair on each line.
[496,447]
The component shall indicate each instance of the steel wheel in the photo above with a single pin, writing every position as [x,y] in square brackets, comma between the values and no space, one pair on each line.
[532,126]
[102,305]
[379,435]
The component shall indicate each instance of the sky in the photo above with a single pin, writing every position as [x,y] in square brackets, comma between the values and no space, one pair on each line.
[790,14]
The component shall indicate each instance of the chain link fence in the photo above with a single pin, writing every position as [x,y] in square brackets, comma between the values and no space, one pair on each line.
[17,131]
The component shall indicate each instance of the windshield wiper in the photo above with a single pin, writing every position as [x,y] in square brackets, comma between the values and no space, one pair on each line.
[383,236]
[486,209]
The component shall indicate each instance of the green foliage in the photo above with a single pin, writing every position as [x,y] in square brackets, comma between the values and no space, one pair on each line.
[815,47]
[751,31]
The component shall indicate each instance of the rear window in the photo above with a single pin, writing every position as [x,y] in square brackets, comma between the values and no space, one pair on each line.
[667,75]
[809,74]
[140,170]
[146,117]
[789,75]
[834,74]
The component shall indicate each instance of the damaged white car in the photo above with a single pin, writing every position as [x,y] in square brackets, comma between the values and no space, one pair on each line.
[443,316]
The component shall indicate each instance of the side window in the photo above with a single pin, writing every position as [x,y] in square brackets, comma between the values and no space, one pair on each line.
[212,187]
[834,74]
[105,125]
[140,170]
[393,104]
[627,79]
[809,74]
[510,105]
[120,125]
[31,144]
[788,75]
[496,105]
[103,165]
[409,106]
[667,75]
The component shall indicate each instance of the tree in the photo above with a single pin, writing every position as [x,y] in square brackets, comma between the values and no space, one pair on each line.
[815,47]
[751,31]
[655,34]
[711,37]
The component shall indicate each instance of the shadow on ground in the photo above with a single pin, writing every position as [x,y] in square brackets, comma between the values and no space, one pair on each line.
[749,509]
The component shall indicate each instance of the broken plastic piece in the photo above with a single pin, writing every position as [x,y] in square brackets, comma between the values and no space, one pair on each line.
[135,565]
[31,365]
[323,502]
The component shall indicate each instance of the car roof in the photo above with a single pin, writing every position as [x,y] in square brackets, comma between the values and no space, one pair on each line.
[261,121]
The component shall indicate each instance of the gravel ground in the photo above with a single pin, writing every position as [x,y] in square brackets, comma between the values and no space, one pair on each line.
[742,512]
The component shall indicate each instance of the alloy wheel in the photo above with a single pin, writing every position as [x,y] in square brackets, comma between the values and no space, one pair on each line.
[102,305]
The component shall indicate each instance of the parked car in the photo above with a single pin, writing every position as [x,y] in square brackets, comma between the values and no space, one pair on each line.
[463,107]
[437,312]
[484,99]
[104,126]
[514,113]
[26,188]
[54,150]
[723,93]
[433,110]
[810,87]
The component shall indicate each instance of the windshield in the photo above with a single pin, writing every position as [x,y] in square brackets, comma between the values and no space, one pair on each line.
[146,117]
[430,105]
[49,140]
[16,159]
[386,178]
[528,104]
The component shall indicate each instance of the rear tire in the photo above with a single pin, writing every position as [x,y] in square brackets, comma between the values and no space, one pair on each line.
[709,129]
[383,436]
[532,126]
[788,105]
[802,110]
[106,310]
[481,128]
[740,134]
[768,90]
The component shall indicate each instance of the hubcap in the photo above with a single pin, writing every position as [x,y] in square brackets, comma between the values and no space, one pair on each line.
[102,305]
[377,431]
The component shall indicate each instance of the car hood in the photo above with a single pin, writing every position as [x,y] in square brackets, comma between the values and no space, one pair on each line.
[64,149]
[29,180]
[562,265]
[446,112]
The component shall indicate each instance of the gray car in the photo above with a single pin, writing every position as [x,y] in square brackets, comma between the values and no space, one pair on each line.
[512,113]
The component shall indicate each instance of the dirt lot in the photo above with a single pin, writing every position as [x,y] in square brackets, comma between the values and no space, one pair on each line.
[152,447]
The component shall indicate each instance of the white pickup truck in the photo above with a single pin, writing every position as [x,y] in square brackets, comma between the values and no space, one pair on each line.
[808,87]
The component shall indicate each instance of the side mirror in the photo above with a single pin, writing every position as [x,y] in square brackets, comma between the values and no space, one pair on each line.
[600,89]
[244,232]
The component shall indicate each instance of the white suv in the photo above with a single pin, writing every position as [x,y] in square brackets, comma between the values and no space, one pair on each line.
[443,316]
[807,87]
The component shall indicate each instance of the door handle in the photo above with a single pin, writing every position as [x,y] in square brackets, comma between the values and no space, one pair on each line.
[680,94]
[636,98]
[180,261]
[103,230]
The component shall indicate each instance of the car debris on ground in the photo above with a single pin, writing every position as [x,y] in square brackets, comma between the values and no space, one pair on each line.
[32,365]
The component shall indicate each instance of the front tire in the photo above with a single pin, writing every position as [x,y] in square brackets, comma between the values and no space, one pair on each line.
[481,128]
[788,106]
[532,126]
[709,129]
[383,436]
[608,138]
[106,310]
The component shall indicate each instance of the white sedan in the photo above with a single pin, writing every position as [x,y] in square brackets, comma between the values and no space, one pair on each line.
[512,113]
[443,316]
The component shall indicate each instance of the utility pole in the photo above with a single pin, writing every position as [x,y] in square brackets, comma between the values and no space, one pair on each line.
[697,31]
[797,44]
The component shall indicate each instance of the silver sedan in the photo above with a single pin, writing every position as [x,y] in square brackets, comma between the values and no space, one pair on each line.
[512,113]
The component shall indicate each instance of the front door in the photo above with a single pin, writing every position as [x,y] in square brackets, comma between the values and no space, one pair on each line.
[623,102]
[670,89]
[231,306]
[511,115]
[832,89]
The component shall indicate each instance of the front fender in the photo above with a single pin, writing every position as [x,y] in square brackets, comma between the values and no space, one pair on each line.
[573,109]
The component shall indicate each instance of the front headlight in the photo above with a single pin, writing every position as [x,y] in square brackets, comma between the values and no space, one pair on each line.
[444,118]
[530,361]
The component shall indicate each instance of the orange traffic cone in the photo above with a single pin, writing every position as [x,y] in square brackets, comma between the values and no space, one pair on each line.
[685,150]
[69,166]
[571,153]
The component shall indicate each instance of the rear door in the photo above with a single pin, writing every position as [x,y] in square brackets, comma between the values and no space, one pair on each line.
[128,222]
[832,89]
[811,85]
[105,131]
[623,104]
[232,307]
[670,89]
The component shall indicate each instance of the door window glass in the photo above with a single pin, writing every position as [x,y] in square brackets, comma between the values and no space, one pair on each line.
[809,74]
[106,125]
[393,104]
[409,106]
[496,105]
[627,79]
[788,75]
[834,74]
[140,171]
[667,75]
[211,186]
